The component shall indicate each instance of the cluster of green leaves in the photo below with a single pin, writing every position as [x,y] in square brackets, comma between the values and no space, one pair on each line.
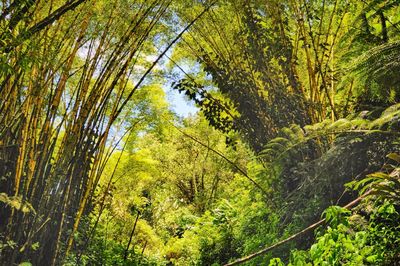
[236,225]
[356,240]
[383,185]
[107,250]
[219,112]
[368,235]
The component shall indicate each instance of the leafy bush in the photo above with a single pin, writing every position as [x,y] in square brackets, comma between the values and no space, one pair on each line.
[368,235]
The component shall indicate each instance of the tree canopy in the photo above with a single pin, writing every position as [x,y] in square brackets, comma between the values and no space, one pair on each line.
[292,157]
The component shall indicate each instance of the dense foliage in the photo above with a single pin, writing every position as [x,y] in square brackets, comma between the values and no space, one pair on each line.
[292,158]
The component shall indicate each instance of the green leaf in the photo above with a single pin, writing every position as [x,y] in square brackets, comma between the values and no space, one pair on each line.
[35,246]
[394,156]
[372,258]
[25,264]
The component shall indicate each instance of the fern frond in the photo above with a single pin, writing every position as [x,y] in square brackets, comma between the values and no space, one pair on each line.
[295,136]
[380,62]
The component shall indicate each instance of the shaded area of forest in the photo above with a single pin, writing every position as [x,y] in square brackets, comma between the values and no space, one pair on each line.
[292,159]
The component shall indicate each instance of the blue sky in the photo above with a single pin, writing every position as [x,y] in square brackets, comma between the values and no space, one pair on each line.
[179,104]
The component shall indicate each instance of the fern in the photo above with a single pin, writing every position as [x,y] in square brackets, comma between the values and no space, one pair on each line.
[380,62]
[292,137]
[384,185]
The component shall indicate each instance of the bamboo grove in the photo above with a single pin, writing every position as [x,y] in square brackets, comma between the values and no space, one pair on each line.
[64,86]
[276,80]
[293,54]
